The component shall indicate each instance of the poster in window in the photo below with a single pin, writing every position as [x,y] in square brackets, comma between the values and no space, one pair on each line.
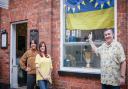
[4,40]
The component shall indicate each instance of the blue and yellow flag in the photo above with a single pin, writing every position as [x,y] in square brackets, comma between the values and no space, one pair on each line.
[89,14]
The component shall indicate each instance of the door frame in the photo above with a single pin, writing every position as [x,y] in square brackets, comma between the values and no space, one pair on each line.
[13,66]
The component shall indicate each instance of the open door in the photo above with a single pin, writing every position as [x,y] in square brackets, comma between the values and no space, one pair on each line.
[21,47]
[18,45]
[13,66]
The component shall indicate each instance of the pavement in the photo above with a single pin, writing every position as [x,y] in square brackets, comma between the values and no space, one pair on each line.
[23,87]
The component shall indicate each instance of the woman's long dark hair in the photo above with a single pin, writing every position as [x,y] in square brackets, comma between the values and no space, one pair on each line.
[45,52]
[34,42]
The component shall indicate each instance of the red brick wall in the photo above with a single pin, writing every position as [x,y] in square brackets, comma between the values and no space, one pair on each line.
[38,15]
[45,16]
[73,82]
[127,44]
[4,53]
[0,21]
[122,29]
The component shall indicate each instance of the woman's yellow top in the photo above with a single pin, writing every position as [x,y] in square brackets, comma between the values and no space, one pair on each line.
[45,65]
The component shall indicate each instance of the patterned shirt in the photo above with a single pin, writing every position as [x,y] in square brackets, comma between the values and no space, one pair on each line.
[111,57]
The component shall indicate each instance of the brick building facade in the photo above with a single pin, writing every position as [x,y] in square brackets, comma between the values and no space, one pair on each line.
[44,15]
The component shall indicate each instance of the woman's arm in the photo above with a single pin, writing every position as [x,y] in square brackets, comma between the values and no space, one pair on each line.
[51,67]
[49,74]
[23,61]
[39,71]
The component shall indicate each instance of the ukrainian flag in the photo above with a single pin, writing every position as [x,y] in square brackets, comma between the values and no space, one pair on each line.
[89,14]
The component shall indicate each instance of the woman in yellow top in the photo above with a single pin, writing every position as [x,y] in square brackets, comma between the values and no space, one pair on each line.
[43,67]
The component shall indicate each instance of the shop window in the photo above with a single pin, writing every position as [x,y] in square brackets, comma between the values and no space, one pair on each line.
[78,19]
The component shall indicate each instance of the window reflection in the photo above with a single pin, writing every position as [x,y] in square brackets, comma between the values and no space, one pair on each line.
[75,57]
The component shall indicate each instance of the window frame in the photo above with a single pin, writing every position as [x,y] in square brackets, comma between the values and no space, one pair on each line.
[62,36]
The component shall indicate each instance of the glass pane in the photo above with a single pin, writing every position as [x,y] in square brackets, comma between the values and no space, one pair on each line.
[81,17]
[73,56]
[80,56]
[82,35]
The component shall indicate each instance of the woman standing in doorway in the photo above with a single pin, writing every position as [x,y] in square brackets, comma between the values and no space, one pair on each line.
[43,67]
[27,63]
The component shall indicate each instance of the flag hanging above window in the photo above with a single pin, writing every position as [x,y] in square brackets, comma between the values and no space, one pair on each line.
[74,5]
[89,14]
[78,5]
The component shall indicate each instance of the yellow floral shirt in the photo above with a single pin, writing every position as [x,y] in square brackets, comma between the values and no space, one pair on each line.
[45,65]
[111,57]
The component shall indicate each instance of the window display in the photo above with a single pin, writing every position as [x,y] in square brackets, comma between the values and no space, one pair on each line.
[81,17]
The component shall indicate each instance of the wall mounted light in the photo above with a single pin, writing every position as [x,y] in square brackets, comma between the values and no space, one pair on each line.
[4,39]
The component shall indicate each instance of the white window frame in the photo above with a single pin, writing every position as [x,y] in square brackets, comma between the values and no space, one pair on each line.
[62,27]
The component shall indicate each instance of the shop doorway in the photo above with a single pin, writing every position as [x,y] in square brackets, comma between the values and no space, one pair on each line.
[18,42]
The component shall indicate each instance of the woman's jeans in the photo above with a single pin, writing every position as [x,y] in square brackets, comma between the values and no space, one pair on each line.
[43,84]
[104,86]
[31,81]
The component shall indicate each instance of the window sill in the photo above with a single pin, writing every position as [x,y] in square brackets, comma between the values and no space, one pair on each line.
[79,72]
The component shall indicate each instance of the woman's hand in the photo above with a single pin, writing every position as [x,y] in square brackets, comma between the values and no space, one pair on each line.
[47,77]
[28,69]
